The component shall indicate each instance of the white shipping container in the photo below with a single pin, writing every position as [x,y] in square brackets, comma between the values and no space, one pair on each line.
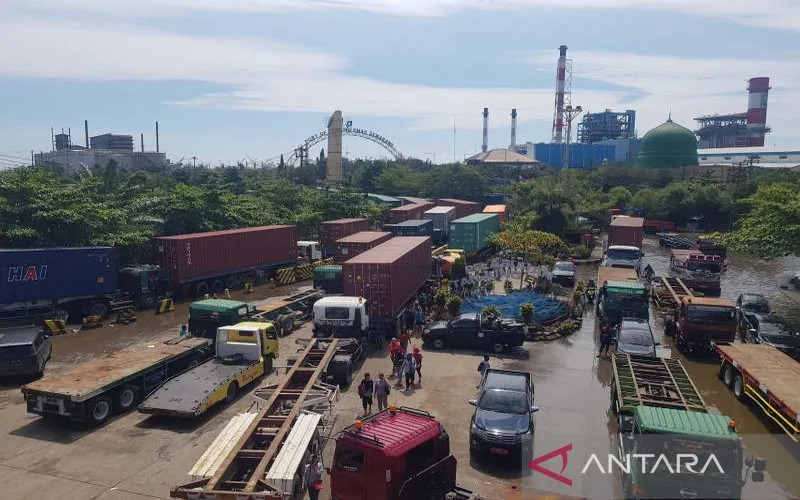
[441,217]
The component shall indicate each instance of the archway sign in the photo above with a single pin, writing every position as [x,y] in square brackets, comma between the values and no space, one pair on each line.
[355,132]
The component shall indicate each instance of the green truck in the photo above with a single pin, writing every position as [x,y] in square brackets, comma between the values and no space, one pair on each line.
[669,444]
[620,295]
[205,316]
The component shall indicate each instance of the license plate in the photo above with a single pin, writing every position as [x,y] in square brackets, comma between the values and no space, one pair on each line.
[498,451]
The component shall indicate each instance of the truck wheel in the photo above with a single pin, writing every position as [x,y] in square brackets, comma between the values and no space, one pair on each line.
[233,390]
[438,344]
[201,288]
[99,410]
[147,302]
[498,347]
[99,309]
[728,375]
[738,387]
[268,365]
[126,399]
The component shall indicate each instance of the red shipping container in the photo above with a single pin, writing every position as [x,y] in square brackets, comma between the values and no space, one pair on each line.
[659,225]
[407,212]
[196,256]
[463,207]
[389,274]
[626,231]
[332,230]
[356,244]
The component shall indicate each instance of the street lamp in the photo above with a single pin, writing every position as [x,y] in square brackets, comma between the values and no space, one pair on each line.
[570,113]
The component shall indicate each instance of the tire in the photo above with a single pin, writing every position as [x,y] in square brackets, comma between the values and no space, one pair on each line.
[99,309]
[498,347]
[738,387]
[194,363]
[125,399]
[201,289]
[233,390]
[99,410]
[268,365]
[147,302]
[217,286]
[287,324]
[729,376]
[438,343]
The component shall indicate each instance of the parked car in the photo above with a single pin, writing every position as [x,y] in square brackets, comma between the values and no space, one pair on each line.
[474,331]
[564,273]
[634,336]
[771,329]
[752,305]
[24,351]
[503,423]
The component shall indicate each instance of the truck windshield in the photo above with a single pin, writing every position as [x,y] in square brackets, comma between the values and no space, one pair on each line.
[711,315]
[626,299]
[623,254]
[713,459]
[710,267]
[337,313]
[504,402]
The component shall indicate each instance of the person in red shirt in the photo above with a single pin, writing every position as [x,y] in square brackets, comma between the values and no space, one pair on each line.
[418,359]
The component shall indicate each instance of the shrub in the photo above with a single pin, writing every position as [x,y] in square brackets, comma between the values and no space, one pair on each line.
[526,311]
[453,305]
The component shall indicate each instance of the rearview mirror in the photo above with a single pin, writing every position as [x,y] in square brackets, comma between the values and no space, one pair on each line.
[473,402]
[534,409]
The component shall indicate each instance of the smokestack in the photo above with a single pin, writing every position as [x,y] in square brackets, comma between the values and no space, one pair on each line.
[157,148]
[69,134]
[485,145]
[561,77]
[513,128]
[757,110]
[86,132]
[141,140]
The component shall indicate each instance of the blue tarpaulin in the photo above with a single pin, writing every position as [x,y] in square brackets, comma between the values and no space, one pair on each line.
[544,309]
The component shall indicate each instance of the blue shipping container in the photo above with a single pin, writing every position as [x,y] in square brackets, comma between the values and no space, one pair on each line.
[52,273]
[414,227]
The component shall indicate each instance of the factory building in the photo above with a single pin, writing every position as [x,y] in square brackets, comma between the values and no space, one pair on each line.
[112,142]
[746,129]
[758,157]
[608,125]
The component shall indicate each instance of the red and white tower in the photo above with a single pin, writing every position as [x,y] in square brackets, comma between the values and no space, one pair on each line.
[562,94]
[757,110]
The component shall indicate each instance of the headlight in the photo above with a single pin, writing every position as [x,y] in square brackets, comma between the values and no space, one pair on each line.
[474,428]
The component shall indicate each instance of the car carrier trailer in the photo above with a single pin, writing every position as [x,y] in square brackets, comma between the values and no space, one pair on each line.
[766,376]
[93,391]
[286,312]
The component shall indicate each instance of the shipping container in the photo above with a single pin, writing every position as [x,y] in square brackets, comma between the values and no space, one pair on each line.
[389,274]
[358,243]
[463,208]
[470,233]
[441,217]
[384,201]
[657,226]
[411,200]
[627,231]
[407,212]
[47,274]
[500,210]
[413,227]
[199,256]
[332,230]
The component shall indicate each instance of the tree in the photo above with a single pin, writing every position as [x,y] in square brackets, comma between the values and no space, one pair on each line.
[619,196]
[772,226]
[454,181]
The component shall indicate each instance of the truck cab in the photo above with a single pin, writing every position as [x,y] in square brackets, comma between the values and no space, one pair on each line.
[699,321]
[341,317]
[618,299]
[700,272]
[474,331]
[141,284]
[623,256]
[206,316]
[396,454]
[309,251]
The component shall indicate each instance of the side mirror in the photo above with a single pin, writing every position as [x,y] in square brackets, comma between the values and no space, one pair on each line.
[534,409]
[759,464]
[473,402]
[657,343]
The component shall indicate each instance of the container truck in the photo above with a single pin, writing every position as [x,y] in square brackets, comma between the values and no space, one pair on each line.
[441,217]
[378,285]
[357,243]
[332,230]
[407,212]
[624,244]
[661,412]
[412,227]
[470,233]
[500,210]
[328,279]
[463,208]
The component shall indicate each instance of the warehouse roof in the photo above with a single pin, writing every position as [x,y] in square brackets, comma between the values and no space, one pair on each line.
[500,156]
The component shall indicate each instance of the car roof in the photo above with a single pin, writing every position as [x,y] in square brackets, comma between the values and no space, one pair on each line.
[470,316]
[22,336]
[506,380]
[753,297]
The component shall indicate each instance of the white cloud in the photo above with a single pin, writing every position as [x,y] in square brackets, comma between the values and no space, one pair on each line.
[769,13]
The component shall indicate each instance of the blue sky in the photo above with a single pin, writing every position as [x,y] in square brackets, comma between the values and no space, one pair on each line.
[232,80]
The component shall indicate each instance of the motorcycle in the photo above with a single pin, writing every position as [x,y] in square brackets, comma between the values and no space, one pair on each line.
[591,292]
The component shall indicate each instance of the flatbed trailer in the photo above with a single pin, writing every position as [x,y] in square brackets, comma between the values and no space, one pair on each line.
[287,311]
[648,381]
[668,291]
[92,391]
[670,240]
[767,377]
[615,274]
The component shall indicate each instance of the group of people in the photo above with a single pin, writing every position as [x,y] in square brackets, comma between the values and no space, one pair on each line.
[406,366]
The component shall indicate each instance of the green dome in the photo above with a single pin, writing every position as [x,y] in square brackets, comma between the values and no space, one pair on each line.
[668,146]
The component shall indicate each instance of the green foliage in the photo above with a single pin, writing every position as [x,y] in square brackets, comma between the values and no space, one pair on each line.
[453,305]
[526,311]
[772,226]
[491,312]
[459,269]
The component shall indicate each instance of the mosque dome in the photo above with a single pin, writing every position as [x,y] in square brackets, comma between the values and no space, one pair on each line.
[668,146]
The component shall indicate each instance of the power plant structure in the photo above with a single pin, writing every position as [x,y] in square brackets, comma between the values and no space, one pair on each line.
[513,129]
[563,93]
[608,125]
[485,143]
[747,129]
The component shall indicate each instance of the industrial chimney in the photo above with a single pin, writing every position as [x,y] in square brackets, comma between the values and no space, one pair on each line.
[157,145]
[485,145]
[141,139]
[757,110]
[86,132]
[513,128]
[561,78]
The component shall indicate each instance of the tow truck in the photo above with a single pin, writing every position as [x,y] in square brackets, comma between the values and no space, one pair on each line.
[244,352]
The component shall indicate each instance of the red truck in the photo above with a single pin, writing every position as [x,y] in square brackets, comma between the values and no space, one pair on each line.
[626,231]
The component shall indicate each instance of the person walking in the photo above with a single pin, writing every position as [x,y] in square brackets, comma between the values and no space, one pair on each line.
[313,474]
[483,366]
[382,391]
[418,359]
[365,390]
[606,338]
[404,338]
[420,319]
[184,331]
[399,357]
[408,369]
[394,346]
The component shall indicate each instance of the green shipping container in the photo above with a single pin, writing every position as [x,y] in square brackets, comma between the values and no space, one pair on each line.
[470,233]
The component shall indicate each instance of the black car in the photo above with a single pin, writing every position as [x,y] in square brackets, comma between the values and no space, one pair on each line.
[771,329]
[564,274]
[752,303]
[24,352]
[634,336]
[503,423]
[474,331]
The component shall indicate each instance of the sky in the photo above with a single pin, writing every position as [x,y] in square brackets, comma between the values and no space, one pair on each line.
[248,80]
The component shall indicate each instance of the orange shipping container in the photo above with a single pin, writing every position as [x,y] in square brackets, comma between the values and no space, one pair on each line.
[500,210]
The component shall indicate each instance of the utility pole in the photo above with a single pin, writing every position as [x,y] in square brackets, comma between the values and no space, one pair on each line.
[194,162]
[570,114]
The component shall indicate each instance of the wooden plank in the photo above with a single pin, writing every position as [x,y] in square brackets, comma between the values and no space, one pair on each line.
[94,375]
[771,367]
